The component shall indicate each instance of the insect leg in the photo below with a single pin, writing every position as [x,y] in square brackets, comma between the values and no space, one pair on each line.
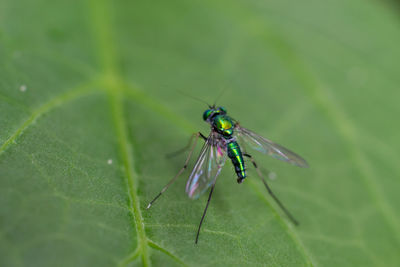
[189,144]
[180,171]
[290,216]
[204,212]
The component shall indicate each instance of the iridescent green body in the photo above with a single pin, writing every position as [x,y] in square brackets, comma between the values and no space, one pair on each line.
[224,125]
[235,154]
[222,143]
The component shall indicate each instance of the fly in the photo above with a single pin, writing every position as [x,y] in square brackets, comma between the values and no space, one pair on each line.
[226,140]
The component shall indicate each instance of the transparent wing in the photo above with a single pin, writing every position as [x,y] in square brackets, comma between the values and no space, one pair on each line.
[207,168]
[268,147]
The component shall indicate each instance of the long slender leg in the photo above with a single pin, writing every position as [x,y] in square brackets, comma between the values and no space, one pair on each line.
[189,144]
[290,216]
[180,171]
[204,212]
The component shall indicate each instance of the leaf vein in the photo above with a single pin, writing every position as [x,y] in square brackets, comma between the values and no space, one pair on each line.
[166,252]
[60,100]
[344,126]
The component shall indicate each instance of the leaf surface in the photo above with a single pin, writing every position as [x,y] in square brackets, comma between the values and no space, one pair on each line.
[89,106]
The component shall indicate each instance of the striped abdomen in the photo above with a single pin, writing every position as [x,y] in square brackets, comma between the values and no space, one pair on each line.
[235,154]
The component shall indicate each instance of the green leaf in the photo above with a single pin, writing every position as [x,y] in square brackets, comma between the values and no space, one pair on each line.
[90,105]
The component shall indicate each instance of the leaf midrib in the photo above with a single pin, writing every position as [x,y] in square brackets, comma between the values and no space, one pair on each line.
[113,82]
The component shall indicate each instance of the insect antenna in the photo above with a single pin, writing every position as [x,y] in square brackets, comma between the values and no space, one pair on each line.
[195,98]
[220,95]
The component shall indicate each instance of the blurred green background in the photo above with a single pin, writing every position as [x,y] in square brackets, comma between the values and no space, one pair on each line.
[90,105]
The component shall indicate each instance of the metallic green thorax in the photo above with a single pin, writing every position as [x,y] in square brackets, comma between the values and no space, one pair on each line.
[223,125]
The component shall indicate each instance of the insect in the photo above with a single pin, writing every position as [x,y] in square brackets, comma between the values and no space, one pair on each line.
[227,139]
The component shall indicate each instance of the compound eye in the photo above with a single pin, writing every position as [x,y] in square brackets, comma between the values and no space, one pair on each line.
[207,114]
